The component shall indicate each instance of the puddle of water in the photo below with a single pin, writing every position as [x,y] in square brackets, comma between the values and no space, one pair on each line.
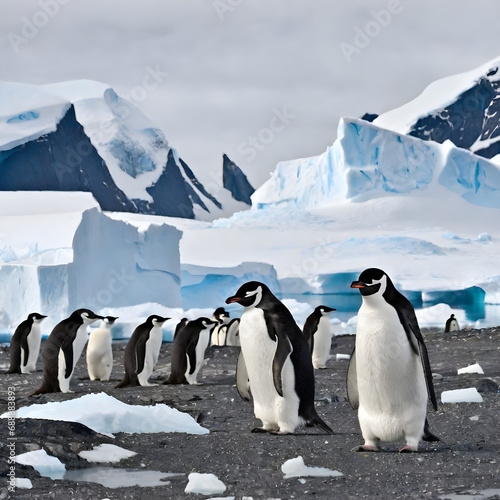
[469,495]
[111,477]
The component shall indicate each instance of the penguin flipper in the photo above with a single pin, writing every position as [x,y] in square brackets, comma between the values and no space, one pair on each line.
[283,351]
[352,382]
[140,354]
[242,380]
[191,353]
[424,358]
[67,349]
[25,347]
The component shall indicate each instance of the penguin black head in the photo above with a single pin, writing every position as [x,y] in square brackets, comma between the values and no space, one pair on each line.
[250,294]
[36,317]
[109,320]
[324,310]
[220,313]
[156,320]
[85,316]
[372,281]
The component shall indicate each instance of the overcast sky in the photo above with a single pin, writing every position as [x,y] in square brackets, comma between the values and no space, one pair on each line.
[259,80]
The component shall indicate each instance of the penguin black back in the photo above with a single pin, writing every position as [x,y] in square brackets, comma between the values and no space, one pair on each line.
[184,347]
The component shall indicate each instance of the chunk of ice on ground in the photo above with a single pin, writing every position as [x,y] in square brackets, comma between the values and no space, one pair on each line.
[295,467]
[469,395]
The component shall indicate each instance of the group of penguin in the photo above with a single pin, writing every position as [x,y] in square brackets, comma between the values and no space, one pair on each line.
[67,340]
[389,379]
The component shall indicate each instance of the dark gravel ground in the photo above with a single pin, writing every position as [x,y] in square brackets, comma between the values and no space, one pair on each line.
[249,464]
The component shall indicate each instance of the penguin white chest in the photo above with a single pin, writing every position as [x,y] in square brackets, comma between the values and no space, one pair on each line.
[100,354]
[322,343]
[391,383]
[276,412]
[201,347]
[29,365]
[78,345]
[153,345]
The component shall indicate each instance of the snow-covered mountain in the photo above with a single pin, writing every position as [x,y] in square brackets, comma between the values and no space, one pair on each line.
[81,136]
[463,109]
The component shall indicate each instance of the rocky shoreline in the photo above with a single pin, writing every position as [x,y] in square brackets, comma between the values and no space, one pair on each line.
[249,464]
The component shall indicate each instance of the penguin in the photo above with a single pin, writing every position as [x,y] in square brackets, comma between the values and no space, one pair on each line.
[451,324]
[221,317]
[99,350]
[232,332]
[25,344]
[275,361]
[63,350]
[389,379]
[318,334]
[142,351]
[188,351]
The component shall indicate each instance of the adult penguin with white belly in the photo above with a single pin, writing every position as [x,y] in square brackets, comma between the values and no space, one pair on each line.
[389,378]
[318,335]
[142,352]
[25,344]
[63,350]
[275,363]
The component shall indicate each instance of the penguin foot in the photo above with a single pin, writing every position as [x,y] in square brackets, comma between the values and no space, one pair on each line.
[408,449]
[365,447]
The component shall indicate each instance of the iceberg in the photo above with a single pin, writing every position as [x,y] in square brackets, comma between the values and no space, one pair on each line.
[76,256]
[117,264]
[367,162]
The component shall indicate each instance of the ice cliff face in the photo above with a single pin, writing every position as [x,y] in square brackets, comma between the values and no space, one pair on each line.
[369,161]
[81,136]
[116,264]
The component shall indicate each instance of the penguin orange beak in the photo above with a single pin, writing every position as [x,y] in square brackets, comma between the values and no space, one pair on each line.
[230,300]
[358,284]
